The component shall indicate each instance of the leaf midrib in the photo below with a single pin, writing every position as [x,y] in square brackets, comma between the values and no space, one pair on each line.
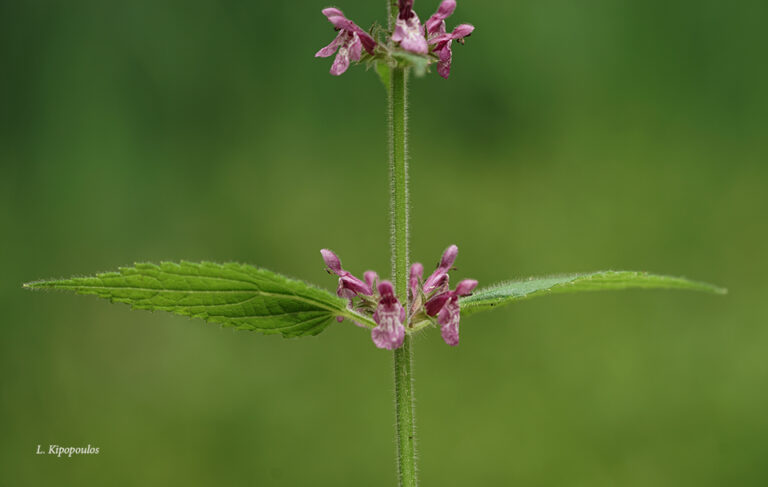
[296,297]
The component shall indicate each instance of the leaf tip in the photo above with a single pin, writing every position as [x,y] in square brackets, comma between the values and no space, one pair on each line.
[33,285]
[711,288]
[722,291]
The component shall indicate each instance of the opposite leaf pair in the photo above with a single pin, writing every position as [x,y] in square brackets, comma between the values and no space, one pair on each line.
[251,298]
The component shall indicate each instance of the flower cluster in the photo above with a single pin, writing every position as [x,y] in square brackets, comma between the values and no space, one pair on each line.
[429,300]
[431,40]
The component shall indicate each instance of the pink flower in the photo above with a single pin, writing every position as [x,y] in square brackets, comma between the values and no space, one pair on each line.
[349,43]
[417,270]
[370,278]
[428,302]
[436,23]
[441,39]
[408,30]
[440,276]
[446,306]
[389,317]
[349,285]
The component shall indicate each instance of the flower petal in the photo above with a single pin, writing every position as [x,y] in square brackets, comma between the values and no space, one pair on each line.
[449,320]
[352,284]
[388,338]
[337,18]
[465,287]
[436,23]
[463,30]
[436,304]
[332,261]
[410,34]
[341,63]
[341,22]
[389,316]
[386,289]
[446,262]
[449,256]
[417,270]
[332,12]
[405,8]
[368,43]
[450,334]
[370,278]
[349,285]
[355,47]
[444,56]
[332,47]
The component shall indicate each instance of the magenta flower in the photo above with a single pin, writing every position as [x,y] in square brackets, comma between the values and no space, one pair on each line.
[409,33]
[349,285]
[446,306]
[414,287]
[417,270]
[370,278]
[389,317]
[436,23]
[442,40]
[408,30]
[349,43]
[432,301]
[439,278]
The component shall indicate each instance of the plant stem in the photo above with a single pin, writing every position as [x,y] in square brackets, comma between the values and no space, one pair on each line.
[399,183]
[406,448]
[405,436]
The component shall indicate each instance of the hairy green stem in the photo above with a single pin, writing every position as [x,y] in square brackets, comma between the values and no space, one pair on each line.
[406,448]
[399,183]
[405,436]
[398,169]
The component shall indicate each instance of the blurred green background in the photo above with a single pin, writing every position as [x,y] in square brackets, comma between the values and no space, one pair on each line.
[572,136]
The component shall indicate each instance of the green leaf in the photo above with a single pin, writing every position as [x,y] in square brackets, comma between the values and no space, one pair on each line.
[418,63]
[507,292]
[231,294]
[382,69]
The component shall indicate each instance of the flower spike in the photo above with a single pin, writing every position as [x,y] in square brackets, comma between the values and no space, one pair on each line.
[431,42]
[433,301]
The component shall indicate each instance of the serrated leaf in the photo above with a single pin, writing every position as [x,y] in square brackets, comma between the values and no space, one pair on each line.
[237,295]
[507,292]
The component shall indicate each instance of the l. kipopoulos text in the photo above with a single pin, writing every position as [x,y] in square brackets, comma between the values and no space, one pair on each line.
[67,451]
